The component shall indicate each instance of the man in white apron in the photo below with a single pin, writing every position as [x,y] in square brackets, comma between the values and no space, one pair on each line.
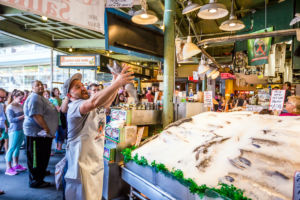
[86,121]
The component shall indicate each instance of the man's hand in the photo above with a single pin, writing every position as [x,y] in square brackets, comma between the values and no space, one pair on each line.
[124,77]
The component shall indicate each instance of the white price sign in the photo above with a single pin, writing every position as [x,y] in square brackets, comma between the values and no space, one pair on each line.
[195,76]
[119,3]
[208,102]
[277,100]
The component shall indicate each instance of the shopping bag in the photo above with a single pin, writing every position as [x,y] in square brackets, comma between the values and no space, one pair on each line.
[59,171]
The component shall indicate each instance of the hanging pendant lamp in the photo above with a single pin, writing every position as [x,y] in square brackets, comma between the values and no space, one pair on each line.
[203,68]
[190,7]
[233,24]
[213,10]
[144,17]
[190,49]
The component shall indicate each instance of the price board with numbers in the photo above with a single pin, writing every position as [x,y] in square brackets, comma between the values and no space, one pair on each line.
[277,100]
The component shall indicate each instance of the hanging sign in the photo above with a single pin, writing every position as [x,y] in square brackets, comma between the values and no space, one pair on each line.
[277,100]
[258,49]
[227,76]
[195,75]
[208,99]
[119,3]
[79,61]
[83,13]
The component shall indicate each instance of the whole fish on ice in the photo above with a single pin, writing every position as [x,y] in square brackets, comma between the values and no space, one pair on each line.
[256,153]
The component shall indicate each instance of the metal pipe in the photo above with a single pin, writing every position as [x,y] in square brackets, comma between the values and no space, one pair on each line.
[211,34]
[248,36]
[169,62]
[52,69]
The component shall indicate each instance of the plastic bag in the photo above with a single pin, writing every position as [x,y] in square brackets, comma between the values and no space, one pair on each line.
[59,171]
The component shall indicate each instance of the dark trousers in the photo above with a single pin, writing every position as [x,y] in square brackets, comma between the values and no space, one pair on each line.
[38,150]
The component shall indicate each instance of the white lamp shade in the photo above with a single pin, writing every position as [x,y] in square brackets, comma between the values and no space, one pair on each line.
[190,7]
[144,17]
[203,68]
[233,24]
[213,11]
[190,49]
[215,75]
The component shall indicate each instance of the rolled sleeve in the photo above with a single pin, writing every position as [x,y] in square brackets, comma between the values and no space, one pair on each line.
[74,109]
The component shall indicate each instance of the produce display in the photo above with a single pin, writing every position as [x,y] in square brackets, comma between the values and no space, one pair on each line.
[258,154]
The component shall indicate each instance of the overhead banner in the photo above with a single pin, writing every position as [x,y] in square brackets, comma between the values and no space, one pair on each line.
[258,49]
[87,14]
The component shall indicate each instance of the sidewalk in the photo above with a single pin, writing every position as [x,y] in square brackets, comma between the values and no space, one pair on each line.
[16,187]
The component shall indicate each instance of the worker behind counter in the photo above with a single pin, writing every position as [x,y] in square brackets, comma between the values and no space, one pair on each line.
[86,121]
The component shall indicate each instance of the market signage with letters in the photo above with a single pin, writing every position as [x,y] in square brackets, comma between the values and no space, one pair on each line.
[119,3]
[277,100]
[79,61]
[227,76]
[258,49]
[83,13]
[208,102]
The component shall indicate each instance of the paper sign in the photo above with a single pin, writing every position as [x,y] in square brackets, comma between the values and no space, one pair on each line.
[119,3]
[139,136]
[208,99]
[277,100]
[195,75]
[118,115]
[254,108]
[112,133]
[296,193]
[106,153]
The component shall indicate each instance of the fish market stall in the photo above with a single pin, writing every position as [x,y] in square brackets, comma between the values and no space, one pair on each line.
[234,155]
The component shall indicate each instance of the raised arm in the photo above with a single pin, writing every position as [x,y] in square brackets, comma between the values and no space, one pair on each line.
[103,97]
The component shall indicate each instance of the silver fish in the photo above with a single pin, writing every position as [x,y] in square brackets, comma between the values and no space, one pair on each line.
[116,68]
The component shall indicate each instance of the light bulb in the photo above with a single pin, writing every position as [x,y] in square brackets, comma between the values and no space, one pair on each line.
[70,49]
[44,18]
[213,10]
[232,24]
[144,16]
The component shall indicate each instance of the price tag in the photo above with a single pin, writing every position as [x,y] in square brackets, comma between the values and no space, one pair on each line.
[296,194]
[277,100]
[119,3]
[208,99]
